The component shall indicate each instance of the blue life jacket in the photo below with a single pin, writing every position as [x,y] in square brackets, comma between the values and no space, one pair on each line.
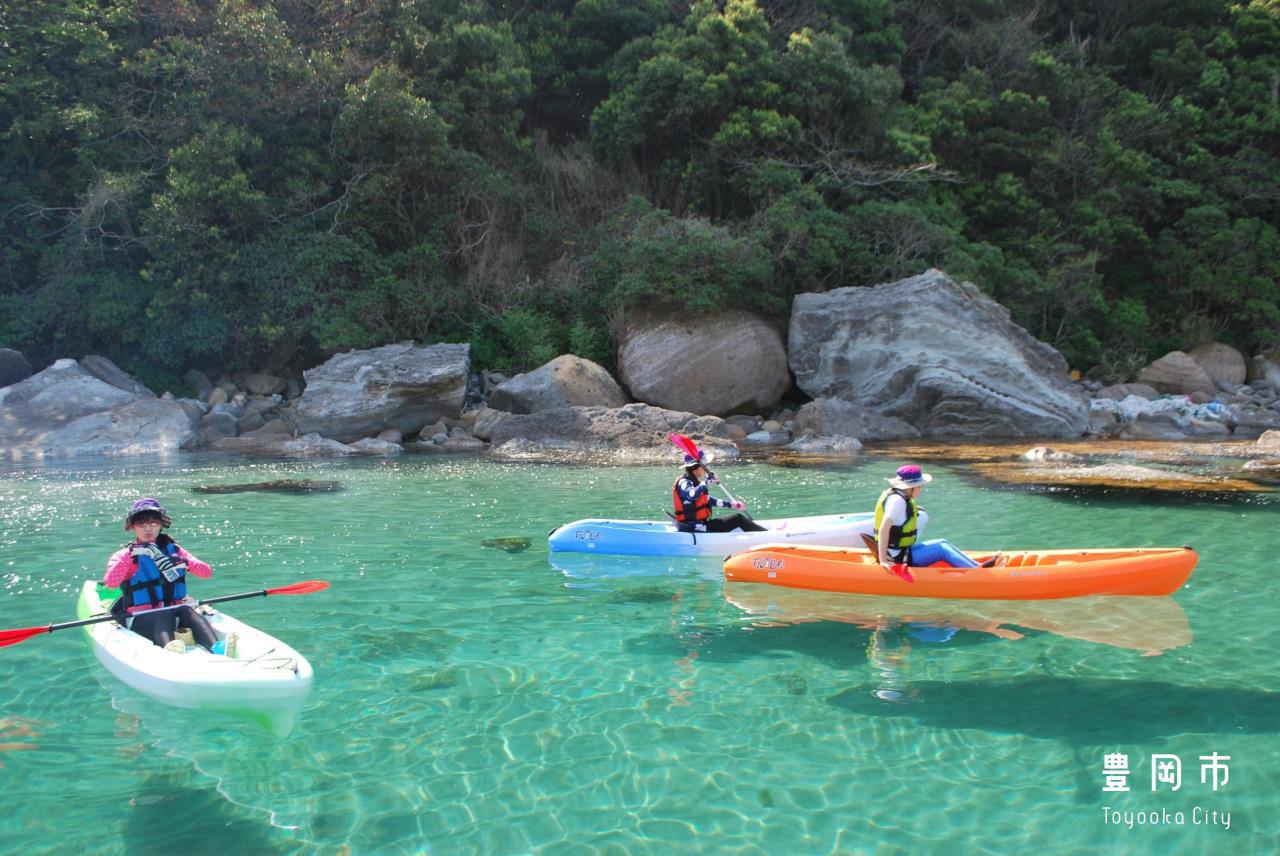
[159,578]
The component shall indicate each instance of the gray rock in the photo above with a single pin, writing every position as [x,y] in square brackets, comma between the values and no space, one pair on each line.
[1044,453]
[250,422]
[401,386]
[1177,373]
[1222,363]
[810,445]
[373,446]
[108,372]
[486,420]
[1269,440]
[217,396]
[566,381]
[937,354]
[838,418]
[634,432]
[391,435]
[216,425]
[767,438]
[746,423]
[64,410]
[1103,423]
[1120,391]
[313,445]
[229,408]
[13,367]
[731,361]
[293,388]
[261,383]
[200,382]
[264,407]
[194,409]
[464,443]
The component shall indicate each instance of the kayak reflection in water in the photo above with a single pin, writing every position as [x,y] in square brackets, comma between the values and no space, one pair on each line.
[152,572]
[899,523]
[693,501]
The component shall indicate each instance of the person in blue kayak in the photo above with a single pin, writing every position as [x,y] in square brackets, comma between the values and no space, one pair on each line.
[152,572]
[693,502]
[899,521]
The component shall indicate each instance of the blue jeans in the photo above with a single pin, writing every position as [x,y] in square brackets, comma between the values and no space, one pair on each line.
[925,553]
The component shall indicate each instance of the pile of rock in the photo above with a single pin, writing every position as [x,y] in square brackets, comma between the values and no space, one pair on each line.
[1201,394]
[922,357]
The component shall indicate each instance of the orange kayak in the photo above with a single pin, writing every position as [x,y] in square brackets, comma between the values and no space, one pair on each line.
[1022,574]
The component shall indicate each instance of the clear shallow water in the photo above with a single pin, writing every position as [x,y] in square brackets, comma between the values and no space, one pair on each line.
[470,699]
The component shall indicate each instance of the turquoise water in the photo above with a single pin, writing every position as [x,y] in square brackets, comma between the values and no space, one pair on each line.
[471,699]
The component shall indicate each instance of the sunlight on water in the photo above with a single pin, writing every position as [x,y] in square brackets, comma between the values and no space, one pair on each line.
[473,698]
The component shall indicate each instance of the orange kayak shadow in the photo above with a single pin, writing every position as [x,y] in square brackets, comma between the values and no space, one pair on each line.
[1150,625]
[1018,574]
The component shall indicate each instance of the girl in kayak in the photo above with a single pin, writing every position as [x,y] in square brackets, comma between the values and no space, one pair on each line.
[693,502]
[152,572]
[899,522]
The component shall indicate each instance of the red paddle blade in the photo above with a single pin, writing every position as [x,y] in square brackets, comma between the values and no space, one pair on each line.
[689,447]
[901,570]
[304,587]
[13,637]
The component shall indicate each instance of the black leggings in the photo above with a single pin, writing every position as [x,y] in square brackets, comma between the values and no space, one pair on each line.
[732,522]
[159,625]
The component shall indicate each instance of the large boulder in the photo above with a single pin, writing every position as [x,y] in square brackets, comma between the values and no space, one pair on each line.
[1222,363]
[634,433]
[13,367]
[937,354]
[729,362]
[566,381]
[65,410]
[834,417]
[108,372]
[1176,372]
[401,386]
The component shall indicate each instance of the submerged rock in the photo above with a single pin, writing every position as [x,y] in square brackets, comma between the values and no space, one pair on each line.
[278,486]
[512,544]
[1116,476]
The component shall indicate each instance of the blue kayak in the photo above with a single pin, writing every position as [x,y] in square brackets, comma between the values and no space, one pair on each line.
[662,538]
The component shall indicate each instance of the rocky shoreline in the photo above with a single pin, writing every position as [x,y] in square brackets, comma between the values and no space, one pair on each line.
[965,376]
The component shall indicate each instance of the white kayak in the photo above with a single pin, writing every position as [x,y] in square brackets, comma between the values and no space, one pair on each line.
[661,538]
[266,681]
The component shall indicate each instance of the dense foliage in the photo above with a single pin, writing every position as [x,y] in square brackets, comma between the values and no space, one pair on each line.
[218,184]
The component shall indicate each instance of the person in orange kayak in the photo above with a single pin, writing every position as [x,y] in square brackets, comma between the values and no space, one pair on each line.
[693,502]
[899,523]
[152,572]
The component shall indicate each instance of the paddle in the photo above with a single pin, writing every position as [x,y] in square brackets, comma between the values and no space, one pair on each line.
[691,449]
[13,637]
